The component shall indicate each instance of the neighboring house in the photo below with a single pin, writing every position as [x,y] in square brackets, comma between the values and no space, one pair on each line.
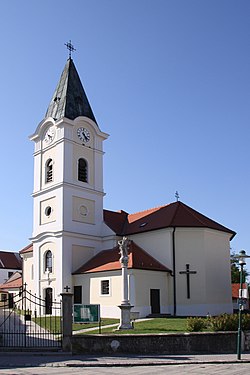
[9,263]
[10,288]
[235,296]
[179,259]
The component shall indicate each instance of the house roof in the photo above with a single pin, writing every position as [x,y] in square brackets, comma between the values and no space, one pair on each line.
[27,249]
[15,281]
[108,260]
[235,289]
[69,99]
[175,214]
[10,260]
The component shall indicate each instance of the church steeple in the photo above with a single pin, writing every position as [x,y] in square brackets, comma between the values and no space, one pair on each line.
[69,99]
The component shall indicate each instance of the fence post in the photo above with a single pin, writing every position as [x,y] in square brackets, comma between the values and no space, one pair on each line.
[67,321]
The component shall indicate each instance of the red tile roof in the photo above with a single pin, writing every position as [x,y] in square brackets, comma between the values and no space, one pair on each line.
[235,289]
[108,260]
[175,214]
[27,249]
[10,260]
[15,281]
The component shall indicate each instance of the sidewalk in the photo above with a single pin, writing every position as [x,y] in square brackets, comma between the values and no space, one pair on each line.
[25,359]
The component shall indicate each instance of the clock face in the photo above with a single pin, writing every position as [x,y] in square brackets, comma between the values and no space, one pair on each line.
[83,134]
[49,135]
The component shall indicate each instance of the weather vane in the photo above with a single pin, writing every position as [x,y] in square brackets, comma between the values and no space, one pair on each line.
[70,47]
[177,195]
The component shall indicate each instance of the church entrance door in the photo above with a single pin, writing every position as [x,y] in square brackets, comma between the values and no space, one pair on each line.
[48,301]
[155,301]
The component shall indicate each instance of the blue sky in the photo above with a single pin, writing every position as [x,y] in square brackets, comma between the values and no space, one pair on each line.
[169,80]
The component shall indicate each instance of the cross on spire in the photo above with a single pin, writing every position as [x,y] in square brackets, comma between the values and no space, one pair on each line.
[177,195]
[188,273]
[70,47]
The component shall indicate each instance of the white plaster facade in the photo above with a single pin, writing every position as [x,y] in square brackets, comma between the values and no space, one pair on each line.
[67,212]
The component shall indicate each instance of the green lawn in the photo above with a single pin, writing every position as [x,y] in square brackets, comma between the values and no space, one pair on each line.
[53,323]
[158,325]
[104,322]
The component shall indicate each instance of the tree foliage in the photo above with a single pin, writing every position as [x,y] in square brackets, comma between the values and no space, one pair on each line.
[235,270]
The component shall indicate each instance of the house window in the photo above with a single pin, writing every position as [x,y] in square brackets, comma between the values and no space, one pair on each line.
[105,287]
[82,170]
[78,294]
[10,273]
[3,297]
[48,261]
[49,171]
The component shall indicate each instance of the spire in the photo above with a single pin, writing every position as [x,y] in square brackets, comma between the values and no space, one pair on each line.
[69,99]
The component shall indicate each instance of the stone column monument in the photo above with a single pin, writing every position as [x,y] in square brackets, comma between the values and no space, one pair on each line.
[125,305]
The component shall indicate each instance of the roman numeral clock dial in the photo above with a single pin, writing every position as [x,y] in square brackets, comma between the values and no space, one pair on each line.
[83,134]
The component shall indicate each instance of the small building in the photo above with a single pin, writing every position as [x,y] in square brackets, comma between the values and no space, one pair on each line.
[10,288]
[10,262]
[235,296]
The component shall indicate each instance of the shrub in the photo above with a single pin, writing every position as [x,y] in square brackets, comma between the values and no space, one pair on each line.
[224,322]
[196,324]
[246,322]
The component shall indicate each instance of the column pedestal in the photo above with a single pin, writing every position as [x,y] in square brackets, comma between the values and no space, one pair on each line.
[125,317]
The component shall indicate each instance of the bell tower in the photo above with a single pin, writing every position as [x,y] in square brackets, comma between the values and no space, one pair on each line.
[68,186]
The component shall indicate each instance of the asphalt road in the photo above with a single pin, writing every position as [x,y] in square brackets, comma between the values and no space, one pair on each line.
[199,369]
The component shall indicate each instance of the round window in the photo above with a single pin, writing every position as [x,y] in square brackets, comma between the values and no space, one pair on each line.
[48,211]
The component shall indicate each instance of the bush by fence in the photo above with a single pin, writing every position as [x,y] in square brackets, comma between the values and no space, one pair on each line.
[224,322]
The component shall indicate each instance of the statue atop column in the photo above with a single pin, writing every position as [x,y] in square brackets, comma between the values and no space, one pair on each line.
[124,247]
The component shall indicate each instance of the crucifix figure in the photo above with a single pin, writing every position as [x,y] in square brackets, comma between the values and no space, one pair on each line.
[188,273]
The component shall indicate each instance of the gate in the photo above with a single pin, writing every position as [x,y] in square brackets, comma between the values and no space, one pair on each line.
[28,321]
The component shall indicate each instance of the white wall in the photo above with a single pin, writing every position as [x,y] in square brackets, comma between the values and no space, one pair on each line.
[207,253]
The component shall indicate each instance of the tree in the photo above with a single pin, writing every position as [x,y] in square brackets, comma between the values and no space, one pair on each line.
[235,270]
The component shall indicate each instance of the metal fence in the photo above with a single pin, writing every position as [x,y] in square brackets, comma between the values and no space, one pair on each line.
[30,321]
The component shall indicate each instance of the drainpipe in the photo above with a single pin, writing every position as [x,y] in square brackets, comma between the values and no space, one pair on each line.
[173,273]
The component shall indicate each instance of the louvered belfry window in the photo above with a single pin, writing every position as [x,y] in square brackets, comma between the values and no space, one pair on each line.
[82,170]
[49,170]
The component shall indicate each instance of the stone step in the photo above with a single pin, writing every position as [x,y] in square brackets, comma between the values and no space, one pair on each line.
[159,315]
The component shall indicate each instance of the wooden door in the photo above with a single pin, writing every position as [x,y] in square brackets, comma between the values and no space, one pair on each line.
[155,301]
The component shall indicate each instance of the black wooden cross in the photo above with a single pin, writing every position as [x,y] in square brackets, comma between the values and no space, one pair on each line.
[67,288]
[188,273]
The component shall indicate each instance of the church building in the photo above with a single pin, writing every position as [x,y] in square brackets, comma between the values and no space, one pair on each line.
[179,259]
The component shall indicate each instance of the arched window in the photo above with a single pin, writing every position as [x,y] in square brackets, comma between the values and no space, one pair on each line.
[82,170]
[48,261]
[49,171]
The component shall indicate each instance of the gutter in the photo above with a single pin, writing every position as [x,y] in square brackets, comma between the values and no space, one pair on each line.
[173,274]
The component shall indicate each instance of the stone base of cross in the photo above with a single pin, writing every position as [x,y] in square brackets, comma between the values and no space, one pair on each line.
[125,322]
